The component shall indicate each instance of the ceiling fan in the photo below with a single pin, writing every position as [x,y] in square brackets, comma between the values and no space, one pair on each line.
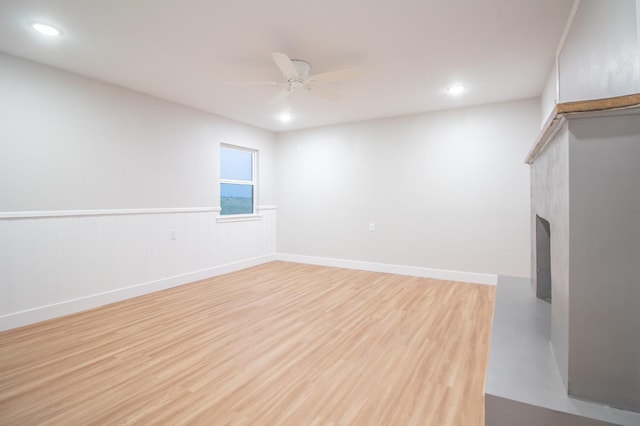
[297,75]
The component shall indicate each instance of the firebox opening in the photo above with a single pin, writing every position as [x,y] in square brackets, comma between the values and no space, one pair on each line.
[543,259]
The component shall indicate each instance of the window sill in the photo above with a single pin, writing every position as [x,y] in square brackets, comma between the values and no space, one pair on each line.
[238,218]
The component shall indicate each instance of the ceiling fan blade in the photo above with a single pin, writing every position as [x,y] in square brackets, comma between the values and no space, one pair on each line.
[281,96]
[251,83]
[324,92]
[286,66]
[334,76]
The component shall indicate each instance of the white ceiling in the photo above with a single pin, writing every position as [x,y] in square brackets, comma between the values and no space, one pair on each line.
[407,50]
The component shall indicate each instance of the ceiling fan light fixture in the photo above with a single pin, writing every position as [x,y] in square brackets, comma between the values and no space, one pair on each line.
[455,89]
[302,67]
[45,29]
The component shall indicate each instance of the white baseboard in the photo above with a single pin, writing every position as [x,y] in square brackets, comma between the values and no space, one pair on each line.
[414,271]
[42,313]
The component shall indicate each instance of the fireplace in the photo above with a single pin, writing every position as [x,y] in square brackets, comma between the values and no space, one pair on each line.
[574,361]
[585,209]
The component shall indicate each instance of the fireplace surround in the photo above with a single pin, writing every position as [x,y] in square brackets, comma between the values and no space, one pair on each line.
[575,361]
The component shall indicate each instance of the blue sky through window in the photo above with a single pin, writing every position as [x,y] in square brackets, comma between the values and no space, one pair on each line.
[235,164]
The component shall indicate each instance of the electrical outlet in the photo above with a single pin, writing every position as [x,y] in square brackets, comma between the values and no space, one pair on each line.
[372,227]
[172,234]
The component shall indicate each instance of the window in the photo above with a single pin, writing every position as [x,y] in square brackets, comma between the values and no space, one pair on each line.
[237,180]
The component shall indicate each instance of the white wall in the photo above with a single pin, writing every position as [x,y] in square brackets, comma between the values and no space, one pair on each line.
[446,190]
[94,179]
[600,57]
[549,96]
[69,142]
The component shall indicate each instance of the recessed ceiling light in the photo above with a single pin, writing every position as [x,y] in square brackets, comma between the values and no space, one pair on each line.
[455,89]
[285,117]
[46,29]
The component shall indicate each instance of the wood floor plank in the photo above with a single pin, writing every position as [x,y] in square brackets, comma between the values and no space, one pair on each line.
[280,343]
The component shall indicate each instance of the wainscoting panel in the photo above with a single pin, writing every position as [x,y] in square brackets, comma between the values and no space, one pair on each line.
[57,263]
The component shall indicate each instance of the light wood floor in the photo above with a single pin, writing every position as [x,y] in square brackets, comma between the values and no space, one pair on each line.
[281,343]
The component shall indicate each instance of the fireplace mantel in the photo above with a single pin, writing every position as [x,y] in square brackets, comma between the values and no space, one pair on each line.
[569,109]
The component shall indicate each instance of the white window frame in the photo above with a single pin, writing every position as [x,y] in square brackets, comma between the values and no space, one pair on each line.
[253,182]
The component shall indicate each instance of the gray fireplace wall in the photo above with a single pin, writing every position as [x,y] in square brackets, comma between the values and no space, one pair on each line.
[604,312]
[586,183]
[550,200]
